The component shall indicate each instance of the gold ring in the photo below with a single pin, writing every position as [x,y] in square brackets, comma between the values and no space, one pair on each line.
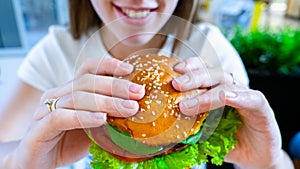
[233,80]
[51,104]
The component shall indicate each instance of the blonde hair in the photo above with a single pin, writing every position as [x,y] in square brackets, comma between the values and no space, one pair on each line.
[83,16]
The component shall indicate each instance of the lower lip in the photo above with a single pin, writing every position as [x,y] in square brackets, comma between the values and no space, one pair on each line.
[134,21]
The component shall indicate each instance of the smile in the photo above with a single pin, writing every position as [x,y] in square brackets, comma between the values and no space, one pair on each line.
[135,14]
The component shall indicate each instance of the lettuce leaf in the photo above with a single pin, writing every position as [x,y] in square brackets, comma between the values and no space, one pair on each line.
[216,141]
[222,138]
[178,160]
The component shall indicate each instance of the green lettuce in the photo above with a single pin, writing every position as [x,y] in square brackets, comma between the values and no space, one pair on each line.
[217,139]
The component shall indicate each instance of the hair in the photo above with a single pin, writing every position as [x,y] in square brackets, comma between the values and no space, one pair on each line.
[83,16]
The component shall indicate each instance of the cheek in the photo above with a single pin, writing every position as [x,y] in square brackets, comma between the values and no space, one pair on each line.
[103,9]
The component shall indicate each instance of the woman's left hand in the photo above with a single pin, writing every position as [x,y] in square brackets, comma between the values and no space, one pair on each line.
[259,137]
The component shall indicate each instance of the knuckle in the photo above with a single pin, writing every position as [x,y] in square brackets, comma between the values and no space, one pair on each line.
[68,100]
[75,119]
[259,97]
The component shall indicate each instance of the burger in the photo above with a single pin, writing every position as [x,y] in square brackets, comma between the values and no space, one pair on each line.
[159,135]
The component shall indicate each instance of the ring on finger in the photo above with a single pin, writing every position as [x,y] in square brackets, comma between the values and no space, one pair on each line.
[51,103]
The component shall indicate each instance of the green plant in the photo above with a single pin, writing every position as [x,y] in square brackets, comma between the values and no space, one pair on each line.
[267,51]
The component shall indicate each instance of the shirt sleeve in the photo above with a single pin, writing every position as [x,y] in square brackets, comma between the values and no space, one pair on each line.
[228,57]
[46,65]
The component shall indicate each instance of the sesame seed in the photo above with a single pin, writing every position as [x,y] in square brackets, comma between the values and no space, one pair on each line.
[172,112]
[178,136]
[143,135]
[153,124]
[153,113]
[142,117]
[177,126]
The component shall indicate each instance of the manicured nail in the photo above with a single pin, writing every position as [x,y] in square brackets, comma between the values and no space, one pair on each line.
[190,103]
[129,104]
[180,66]
[126,67]
[230,94]
[98,115]
[182,79]
[135,88]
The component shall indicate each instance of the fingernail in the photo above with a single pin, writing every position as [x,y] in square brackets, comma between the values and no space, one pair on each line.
[98,115]
[135,88]
[231,94]
[190,103]
[182,79]
[180,66]
[129,104]
[126,67]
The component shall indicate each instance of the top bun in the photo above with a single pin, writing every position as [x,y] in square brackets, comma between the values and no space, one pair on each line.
[159,121]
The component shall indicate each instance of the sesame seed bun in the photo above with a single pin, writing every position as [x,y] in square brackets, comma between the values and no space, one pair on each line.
[159,121]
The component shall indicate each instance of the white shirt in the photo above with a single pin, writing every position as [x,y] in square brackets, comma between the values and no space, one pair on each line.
[56,58]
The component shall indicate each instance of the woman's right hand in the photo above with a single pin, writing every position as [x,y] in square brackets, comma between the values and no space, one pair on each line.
[58,138]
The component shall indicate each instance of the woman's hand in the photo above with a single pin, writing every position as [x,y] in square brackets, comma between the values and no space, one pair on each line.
[259,137]
[58,138]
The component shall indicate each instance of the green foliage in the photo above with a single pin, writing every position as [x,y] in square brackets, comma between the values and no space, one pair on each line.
[212,149]
[266,51]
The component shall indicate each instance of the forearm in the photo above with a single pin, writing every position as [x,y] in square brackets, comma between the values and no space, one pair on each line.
[284,161]
[7,154]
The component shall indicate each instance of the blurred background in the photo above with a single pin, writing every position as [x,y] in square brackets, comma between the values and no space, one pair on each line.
[25,22]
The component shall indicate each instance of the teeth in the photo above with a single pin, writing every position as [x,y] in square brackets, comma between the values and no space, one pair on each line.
[136,13]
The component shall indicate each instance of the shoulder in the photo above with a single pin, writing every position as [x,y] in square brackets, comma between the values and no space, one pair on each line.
[62,35]
[209,29]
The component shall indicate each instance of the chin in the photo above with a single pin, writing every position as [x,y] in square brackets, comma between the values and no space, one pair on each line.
[137,40]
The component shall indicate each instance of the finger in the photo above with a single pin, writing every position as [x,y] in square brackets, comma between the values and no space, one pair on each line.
[109,86]
[104,66]
[205,102]
[190,64]
[61,120]
[199,79]
[240,99]
[95,103]
[104,85]
[64,119]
